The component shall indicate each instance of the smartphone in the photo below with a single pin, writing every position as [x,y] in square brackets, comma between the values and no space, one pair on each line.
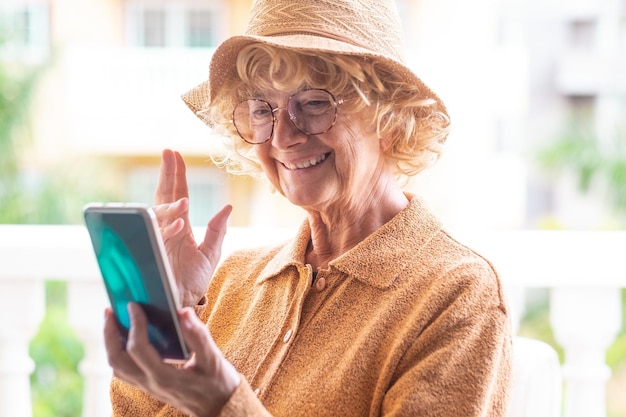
[135,268]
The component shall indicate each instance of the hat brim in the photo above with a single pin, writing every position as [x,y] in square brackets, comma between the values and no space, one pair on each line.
[224,59]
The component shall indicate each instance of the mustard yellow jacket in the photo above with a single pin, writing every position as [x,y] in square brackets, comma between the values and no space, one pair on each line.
[410,322]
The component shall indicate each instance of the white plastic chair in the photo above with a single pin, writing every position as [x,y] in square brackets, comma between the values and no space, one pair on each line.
[537,380]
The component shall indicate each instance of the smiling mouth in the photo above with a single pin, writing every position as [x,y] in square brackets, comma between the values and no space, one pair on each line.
[306,164]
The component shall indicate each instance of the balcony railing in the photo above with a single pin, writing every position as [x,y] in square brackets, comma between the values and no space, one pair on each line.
[585,272]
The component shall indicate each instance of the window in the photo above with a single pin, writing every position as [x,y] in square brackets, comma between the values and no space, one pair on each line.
[25,27]
[207,190]
[175,24]
[199,28]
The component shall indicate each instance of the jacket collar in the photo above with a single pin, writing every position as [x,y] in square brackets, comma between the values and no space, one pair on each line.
[388,249]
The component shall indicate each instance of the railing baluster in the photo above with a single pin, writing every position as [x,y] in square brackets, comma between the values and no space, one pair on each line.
[86,303]
[22,308]
[586,321]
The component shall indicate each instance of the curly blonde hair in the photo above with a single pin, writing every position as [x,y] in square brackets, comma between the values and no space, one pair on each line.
[411,124]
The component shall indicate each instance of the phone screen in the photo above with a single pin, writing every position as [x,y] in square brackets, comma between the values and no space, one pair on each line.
[134,270]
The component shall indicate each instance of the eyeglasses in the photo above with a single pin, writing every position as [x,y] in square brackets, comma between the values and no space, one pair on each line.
[312,112]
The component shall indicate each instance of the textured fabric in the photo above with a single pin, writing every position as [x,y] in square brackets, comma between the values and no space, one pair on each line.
[407,323]
[373,25]
[366,28]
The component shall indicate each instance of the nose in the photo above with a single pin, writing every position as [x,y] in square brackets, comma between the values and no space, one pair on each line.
[286,134]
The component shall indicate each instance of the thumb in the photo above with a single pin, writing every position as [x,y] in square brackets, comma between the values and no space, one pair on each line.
[214,236]
[196,334]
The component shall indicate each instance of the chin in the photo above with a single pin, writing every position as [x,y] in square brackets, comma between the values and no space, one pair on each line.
[302,200]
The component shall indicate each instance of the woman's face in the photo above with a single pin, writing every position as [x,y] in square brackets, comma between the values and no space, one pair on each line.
[333,170]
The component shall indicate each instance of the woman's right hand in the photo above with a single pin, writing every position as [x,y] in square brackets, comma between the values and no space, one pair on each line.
[192,264]
[200,387]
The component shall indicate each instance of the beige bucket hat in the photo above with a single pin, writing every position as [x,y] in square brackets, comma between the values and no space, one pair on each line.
[367,28]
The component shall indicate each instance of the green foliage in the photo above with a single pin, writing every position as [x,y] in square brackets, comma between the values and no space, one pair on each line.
[576,151]
[56,195]
[579,151]
[616,355]
[56,383]
[17,82]
[16,86]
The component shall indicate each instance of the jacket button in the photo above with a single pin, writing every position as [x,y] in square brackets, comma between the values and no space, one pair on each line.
[320,284]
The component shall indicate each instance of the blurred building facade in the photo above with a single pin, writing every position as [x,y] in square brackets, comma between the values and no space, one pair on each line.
[577,70]
[511,72]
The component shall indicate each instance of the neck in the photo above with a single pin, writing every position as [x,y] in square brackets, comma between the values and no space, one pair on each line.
[334,232]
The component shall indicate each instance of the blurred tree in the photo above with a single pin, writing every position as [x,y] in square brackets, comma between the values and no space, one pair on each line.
[16,87]
[592,161]
[56,384]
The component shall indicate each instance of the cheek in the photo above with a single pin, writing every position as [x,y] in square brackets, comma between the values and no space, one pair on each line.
[262,153]
[267,163]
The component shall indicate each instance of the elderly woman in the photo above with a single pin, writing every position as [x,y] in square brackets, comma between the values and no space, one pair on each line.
[372,309]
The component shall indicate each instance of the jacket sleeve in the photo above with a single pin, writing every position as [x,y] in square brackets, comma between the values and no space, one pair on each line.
[244,402]
[460,364]
[129,401]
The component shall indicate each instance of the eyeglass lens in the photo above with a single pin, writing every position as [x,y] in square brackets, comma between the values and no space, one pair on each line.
[311,111]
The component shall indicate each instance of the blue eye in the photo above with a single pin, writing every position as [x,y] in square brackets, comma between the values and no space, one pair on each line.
[259,111]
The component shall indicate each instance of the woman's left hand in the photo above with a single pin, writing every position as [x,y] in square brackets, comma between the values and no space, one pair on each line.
[193,265]
[200,387]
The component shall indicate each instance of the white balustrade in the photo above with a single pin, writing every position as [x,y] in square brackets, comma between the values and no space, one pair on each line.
[585,322]
[21,311]
[584,270]
[86,303]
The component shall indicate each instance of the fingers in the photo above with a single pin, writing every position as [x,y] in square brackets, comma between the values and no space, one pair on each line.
[195,333]
[138,346]
[214,236]
[171,217]
[147,369]
[112,336]
[172,184]
[116,352]
[139,364]
[167,173]
[180,187]
[208,359]
[186,388]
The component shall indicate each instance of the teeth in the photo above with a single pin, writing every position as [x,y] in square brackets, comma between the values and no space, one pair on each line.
[306,164]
